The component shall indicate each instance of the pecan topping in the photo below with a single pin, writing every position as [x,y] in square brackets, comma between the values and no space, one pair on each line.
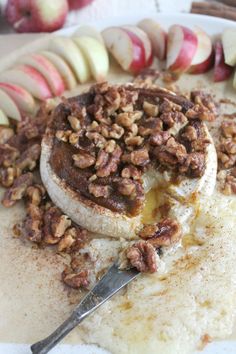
[76,280]
[131,172]
[83,160]
[171,153]
[18,189]
[5,134]
[142,256]
[126,187]
[99,190]
[164,233]
[108,163]
[8,155]
[137,157]
[227,181]
[29,158]
[63,135]
[226,150]
[150,109]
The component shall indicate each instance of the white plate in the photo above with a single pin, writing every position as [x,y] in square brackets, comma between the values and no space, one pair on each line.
[212,26]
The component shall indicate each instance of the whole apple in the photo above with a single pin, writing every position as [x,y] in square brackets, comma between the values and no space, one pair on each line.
[36,15]
[78,4]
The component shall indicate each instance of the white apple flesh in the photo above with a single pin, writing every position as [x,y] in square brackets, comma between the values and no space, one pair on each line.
[30,79]
[203,59]
[157,36]
[3,118]
[36,15]
[181,48]
[126,48]
[96,55]
[8,106]
[145,41]
[68,50]
[229,45]
[23,99]
[47,69]
[222,71]
[90,32]
[62,67]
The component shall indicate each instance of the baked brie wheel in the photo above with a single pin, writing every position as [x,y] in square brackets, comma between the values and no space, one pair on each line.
[104,150]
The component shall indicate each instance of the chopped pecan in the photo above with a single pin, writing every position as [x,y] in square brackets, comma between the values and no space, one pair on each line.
[99,190]
[227,181]
[18,189]
[98,140]
[200,112]
[189,134]
[35,194]
[194,165]
[131,172]
[126,119]
[150,126]
[171,153]
[114,131]
[126,187]
[55,225]
[159,138]
[142,256]
[33,223]
[169,106]
[150,109]
[110,146]
[68,239]
[107,163]
[206,100]
[164,233]
[8,155]
[63,135]
[75,123]
[134,140]
[171,118]
[83,160]
[8,175]
[138,157]
[29,158]
[5,134]
[76,280]
[228,129]
[113,100]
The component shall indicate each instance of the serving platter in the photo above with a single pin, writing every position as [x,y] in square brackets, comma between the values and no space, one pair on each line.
[212,26]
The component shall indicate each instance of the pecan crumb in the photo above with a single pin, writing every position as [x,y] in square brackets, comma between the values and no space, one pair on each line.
[142,256]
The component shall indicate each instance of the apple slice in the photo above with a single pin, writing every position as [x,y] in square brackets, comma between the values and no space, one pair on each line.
[203,59]
[63,68]
[222,71]
[23,99]
[96,55]
[8,106]
[181,48]
[47,69]
[145,41]
[229,45]
[68,50]
[90,32]
[157,36]
[3,118]
[30,79]
[126,48]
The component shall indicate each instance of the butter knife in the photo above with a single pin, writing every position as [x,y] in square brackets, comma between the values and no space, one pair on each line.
[113,281]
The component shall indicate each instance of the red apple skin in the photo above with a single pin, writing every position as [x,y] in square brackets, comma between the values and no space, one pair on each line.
[204,66]
[78,4]
[139,60]
[222,71]
[188,49]
[36,15]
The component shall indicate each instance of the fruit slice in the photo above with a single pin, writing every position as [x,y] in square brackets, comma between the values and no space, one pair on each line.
[126,48]
[181,48]
[145,41]
[3,118]
[157,36]
[30,79]
[229,45]
[96,55]
[90,32]
[47,69]
[8,106]
[68,50]
[222,71]
[63,68]
[203,59]
[23,99]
